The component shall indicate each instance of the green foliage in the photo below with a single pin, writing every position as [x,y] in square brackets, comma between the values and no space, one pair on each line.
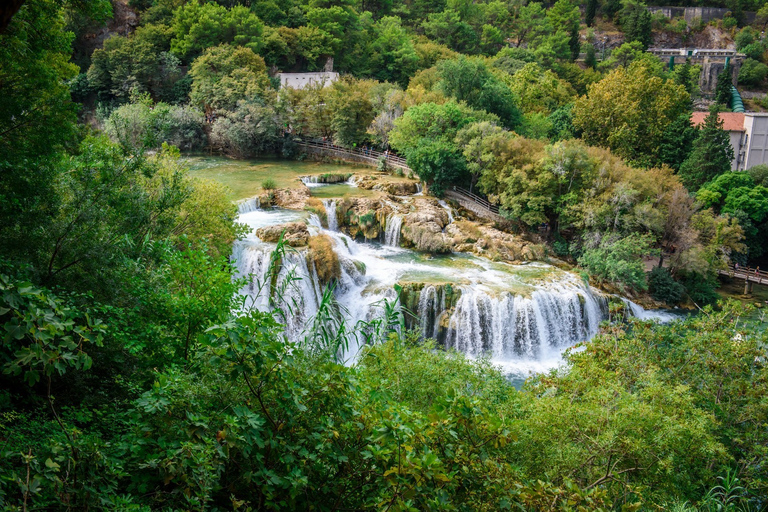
[619,260]
[470,81]
[711,154]
[439,164]
[752,73]
[723,86]
[636,23]
[226,74]
[641,106]
[197,27]
[44,335]
[142,125]
[663,286]
[248,130]
[268,184]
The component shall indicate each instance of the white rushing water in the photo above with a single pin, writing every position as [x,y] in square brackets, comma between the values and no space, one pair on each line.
[448,209]
[330,212]
[522,316]
[249,205]
[392,231]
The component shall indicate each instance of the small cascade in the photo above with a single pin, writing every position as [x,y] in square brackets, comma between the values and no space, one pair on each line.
[448,209]
[352,181]
[431,309]
[311,181]
[419,190]
[249,205]
[330,212]
[392,232]
[637,311]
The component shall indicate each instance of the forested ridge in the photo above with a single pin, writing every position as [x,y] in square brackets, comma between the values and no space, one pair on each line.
[133,377]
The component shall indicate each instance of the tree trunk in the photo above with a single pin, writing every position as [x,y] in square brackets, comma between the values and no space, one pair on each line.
[7,9]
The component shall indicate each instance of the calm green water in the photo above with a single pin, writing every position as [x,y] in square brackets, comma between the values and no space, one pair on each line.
[244,177]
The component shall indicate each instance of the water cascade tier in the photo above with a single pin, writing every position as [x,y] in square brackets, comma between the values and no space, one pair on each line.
[521,316]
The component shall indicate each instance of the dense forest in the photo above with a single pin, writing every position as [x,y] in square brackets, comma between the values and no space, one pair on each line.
[133,377]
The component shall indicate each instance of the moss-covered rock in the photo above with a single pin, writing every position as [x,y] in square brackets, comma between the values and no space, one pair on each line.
[324,258]
[296,233]
[363,218]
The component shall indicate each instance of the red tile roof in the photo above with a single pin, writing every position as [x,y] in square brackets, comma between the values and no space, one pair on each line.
[732,121]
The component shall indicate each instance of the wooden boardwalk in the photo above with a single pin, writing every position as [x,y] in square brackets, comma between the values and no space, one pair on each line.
[474,203]
[750,276]
[367,157]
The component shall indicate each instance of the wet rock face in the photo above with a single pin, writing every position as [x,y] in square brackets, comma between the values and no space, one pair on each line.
[423,227]
[324,258]
[363,217]
[296,233]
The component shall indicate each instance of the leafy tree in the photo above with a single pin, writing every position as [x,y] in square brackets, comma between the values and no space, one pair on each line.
[393,56]
[752,73]
[619,260]
[438,163]
[629,110]
[449,29]
[226,74]
[663,286]
[590,58]
[470,81]
[249,130]
[540,90]
[37,117]
[352,111]
[142,125]
[711,154]
[677,142]
[197,27]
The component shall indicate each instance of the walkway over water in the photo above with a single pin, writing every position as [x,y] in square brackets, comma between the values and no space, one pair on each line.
[363,156]
[749,275]
[474,203]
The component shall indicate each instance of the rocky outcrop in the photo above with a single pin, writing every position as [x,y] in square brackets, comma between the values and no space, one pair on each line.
[324,258]
[290,198]
[296,233]
[423,227]
[395,188]
[363,217]
[492,243]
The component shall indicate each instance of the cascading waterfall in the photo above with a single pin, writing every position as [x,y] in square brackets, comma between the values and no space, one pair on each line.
[330,212]
[419,190]
[522,316]
[249,205]
[392,232]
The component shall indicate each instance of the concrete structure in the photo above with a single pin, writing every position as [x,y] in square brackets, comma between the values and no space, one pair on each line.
[712,62]
[749,136]
[302,80]
[705,14]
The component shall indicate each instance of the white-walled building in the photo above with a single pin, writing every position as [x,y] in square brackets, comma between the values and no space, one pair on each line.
[749,136]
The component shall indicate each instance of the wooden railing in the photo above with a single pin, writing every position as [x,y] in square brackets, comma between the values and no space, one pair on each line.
[477,199]
[371,155]
[753,275]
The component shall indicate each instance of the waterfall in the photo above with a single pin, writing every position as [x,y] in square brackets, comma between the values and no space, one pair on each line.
[392,233]
[448,209]
[510,326]
[431,308]
[249,205]
[419,190]
[330,212]
[311,181]
[521,316]
[638,311]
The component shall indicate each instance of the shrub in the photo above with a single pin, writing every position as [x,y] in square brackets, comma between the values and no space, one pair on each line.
[269,184]
[663,286]
[618,261]
[752,72]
